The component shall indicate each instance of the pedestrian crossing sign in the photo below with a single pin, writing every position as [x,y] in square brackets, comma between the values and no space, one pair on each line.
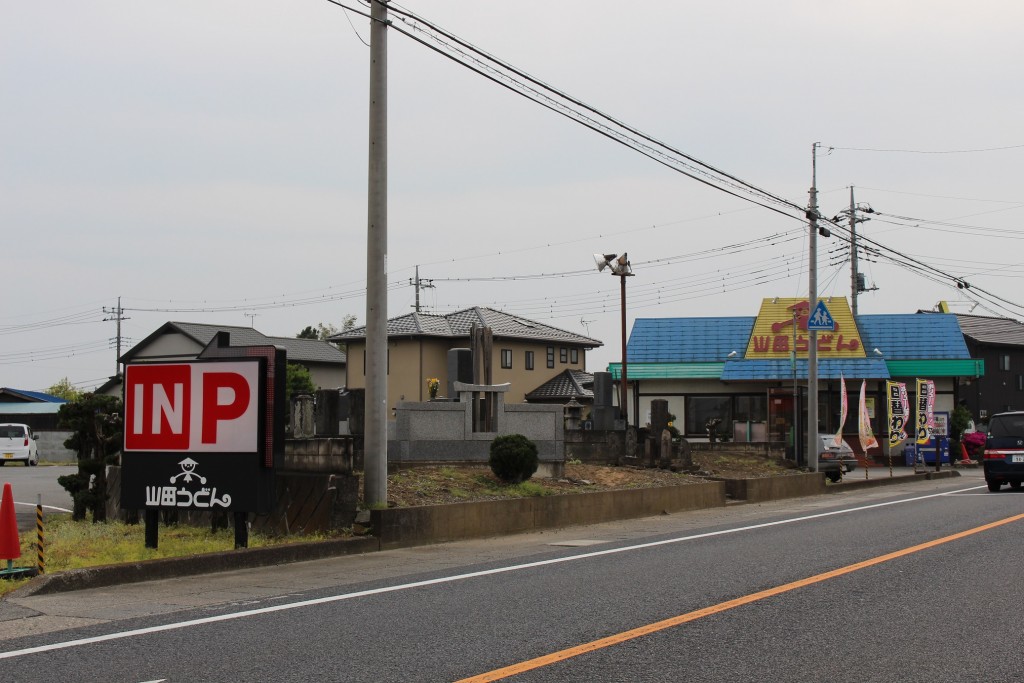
[821,320]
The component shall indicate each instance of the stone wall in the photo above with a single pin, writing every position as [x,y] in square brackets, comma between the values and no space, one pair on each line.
[442,432]
[401,527]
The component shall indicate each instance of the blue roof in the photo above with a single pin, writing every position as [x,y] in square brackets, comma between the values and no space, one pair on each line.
[913,336]
[687,340]
[899,337]
[31,396]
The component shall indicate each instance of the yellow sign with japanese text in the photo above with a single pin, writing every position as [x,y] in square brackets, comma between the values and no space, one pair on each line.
[781,327]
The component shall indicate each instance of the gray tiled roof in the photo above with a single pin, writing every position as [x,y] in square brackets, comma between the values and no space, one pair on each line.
[565,385]
[301,350]
[986,330]
[458,324]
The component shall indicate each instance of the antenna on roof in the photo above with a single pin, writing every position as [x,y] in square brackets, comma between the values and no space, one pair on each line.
[250,316]
[586,325]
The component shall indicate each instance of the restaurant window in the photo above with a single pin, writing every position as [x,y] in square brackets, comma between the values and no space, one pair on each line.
[727,408]
[701,409]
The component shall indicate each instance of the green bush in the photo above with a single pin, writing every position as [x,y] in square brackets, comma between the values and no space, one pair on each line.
[513,458]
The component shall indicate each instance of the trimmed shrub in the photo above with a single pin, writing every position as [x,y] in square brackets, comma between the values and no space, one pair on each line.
[513,458]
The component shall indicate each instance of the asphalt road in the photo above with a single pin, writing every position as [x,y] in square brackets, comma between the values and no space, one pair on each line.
[29,482]
[904,583]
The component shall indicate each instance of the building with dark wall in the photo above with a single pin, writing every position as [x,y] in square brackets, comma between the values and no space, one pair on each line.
[999,342]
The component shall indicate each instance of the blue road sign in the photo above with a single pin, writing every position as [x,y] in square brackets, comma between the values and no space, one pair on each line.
[821,320]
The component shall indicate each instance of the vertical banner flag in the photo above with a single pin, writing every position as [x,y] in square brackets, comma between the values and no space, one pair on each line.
[925,410]
[867,438]
[838,441]
[899,411]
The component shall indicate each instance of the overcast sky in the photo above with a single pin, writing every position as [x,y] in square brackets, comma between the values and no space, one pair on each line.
[206,162]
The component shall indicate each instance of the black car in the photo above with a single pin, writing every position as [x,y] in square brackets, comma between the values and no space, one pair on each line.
[834,460]
[1004,451]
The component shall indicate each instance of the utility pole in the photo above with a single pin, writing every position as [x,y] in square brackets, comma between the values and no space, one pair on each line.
[420,284]
[375,441]
[854,279]
[812,302]
[118,314]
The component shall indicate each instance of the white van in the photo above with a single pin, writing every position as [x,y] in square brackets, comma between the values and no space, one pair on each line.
[17,442]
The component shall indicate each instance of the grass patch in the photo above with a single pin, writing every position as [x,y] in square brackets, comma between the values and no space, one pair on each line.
[75,545]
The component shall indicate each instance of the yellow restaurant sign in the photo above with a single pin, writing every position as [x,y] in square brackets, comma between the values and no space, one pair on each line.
[782,324]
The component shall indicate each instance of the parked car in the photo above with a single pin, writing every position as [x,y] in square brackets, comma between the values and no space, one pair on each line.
[17,442]
[835,460]
[1003,460]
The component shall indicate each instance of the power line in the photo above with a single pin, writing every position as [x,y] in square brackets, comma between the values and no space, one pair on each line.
[921,151]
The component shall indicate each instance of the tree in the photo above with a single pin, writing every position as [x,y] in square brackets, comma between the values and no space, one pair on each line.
[64,389]
[324,330]
[96,423]
[297,381]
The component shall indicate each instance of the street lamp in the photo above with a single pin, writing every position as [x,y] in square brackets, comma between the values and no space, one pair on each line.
[619,265]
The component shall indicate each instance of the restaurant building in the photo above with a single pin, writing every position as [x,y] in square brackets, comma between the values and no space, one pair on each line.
[749,373]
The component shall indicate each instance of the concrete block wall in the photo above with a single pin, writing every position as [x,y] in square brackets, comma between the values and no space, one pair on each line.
[441,431]
[51,447]
[399,527]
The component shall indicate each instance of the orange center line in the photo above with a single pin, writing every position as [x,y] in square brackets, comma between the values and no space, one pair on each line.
[562,655]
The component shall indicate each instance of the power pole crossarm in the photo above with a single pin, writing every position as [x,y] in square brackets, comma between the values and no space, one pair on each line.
[118,315]
[420,284]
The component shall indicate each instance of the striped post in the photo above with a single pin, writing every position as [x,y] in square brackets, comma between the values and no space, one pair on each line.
[40,554]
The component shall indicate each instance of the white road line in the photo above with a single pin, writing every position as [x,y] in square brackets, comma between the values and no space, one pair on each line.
[45,507]
[446,579]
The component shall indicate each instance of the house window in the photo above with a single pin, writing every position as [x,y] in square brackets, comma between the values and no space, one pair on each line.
[1004,362]
[574,356]
[563,355]
[529,360]
[506,358]
[551,356]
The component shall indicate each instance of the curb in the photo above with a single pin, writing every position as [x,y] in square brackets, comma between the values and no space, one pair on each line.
[230,560]
[847,484]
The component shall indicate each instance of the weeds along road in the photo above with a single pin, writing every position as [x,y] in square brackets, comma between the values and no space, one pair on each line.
[887,584]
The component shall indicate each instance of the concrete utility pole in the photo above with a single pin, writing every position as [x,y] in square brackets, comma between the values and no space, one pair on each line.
[118,314]
[854,280]
[375,439]
[812,302]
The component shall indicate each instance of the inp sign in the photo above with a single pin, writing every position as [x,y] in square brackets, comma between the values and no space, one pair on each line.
[196,407]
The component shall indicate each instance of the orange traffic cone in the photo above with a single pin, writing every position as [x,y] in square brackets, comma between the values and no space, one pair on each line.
[10,544]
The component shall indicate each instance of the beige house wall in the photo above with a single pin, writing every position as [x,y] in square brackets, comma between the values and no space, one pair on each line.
[412,361]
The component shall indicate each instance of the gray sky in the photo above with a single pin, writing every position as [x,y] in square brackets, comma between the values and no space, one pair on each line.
[212,156]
